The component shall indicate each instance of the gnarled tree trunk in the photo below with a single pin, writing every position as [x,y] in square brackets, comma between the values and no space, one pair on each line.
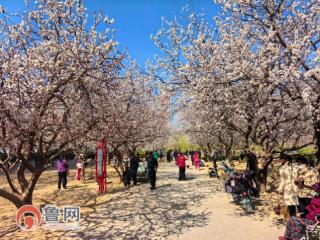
[23,197]
[260,175]
[317,138]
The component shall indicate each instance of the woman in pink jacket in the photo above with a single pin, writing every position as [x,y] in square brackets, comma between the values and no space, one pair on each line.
[296,226]
[181,161]
[196,161]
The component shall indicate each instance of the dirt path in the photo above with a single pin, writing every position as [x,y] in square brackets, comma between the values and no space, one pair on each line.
[228,221]
[191,209]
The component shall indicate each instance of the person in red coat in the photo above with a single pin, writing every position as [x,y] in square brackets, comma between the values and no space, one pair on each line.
[181,162]
[196,160]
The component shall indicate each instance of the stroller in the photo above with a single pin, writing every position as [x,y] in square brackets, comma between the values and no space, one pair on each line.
[239,186]
[142,172]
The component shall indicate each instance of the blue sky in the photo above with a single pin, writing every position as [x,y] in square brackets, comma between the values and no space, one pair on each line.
[136,20]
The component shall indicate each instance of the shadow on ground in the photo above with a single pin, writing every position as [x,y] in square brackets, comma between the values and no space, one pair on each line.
[132,213]
[141,214]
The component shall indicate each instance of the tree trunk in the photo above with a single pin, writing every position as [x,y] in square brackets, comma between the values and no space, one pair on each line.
[247,136]
[120,174]
[119,169]
[228,152]
[26,196]
[317,138]
[18,199]
[260,175]
[14,198]
[262,179]
[252,164]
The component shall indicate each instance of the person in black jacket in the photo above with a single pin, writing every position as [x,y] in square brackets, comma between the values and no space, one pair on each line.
[126,175]
[134,165]
[152,170]
[168,155]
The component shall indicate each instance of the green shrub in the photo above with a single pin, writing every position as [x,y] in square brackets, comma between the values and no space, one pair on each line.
[141,153]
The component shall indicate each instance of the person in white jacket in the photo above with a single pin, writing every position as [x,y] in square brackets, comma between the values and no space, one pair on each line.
[288,190]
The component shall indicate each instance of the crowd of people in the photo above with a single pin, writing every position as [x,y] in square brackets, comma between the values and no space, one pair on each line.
[152,157]
[131,165]
[298,191]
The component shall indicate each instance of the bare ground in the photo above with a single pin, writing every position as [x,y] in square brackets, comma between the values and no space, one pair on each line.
[192,209]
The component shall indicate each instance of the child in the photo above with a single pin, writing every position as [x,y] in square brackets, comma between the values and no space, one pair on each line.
[79,168]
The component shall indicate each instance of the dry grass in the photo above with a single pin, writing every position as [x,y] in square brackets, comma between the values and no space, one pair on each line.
[80,194]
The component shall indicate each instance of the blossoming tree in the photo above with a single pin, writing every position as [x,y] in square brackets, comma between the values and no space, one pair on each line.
[55,69]
[253,78]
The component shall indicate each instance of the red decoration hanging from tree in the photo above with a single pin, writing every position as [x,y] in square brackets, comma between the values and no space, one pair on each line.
[101,165]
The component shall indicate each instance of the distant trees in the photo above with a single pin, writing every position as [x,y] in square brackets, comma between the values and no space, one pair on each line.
[138,117]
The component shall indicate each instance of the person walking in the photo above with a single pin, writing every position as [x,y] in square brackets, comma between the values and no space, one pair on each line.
[134,165]
[182,166]
[152,169]
[196,160]
[63,171]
